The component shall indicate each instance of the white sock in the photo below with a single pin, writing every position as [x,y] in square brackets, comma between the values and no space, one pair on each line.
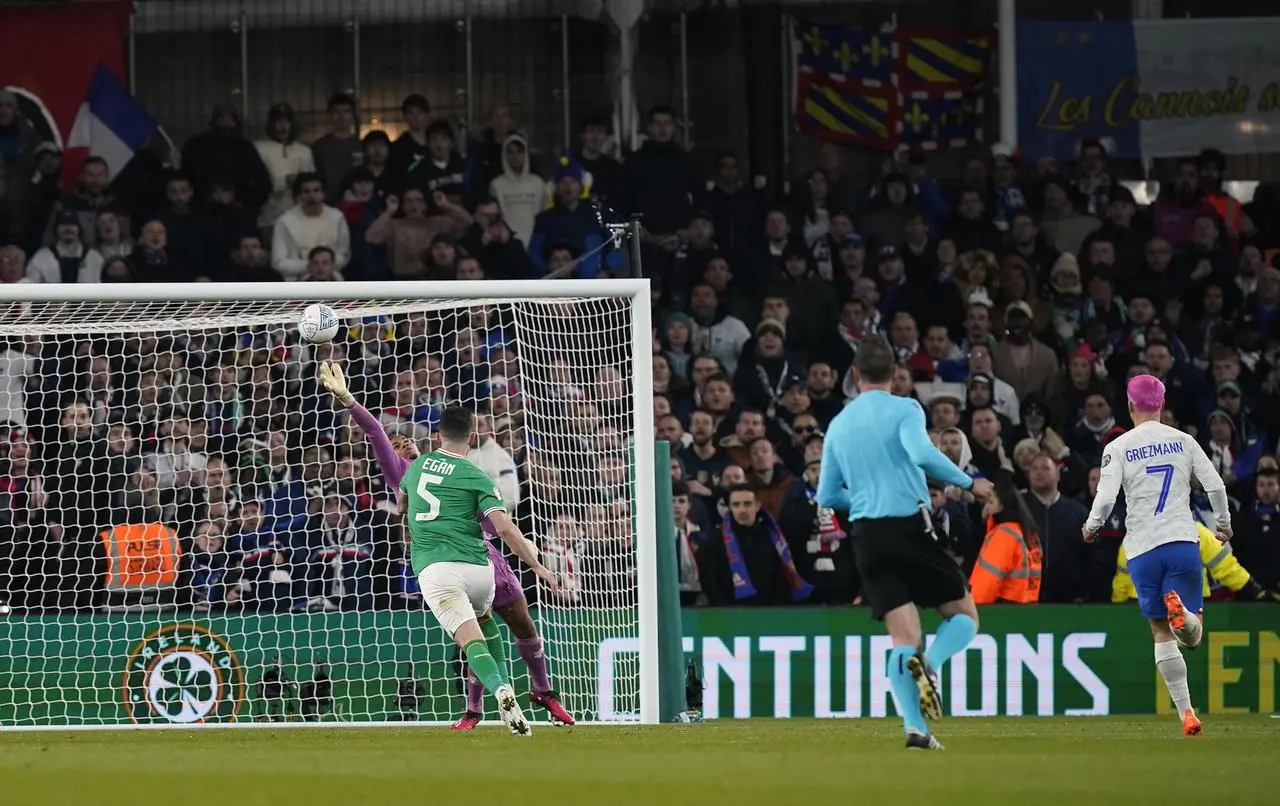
[1192,631]
[1173,669]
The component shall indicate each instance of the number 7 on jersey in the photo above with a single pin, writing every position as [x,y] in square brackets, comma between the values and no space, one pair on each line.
[1152,470]
[433,504]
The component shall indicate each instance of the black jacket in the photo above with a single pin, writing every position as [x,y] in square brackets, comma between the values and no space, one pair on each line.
[763,566]
[1072,569]
[829,568]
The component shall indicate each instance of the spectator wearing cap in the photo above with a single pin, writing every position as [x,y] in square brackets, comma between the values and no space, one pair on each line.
[306,225]
[569,221]
[339,150]
[1020,359]
[1226,448]
[68,259]
[819,541]
[605,171]
[1066,300]
[944,401]
[442,168]
[41,195]
[660,181]
[1230,398]
[764,368]
[284,158]
[1078,379]
[1064,226]
[1018,283]
[223,153]
[895,292]
[1174,212]
[1212,165]
[980,394]
[18,143]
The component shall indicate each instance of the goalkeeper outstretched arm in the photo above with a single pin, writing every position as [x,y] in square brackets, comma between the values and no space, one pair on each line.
[389,462]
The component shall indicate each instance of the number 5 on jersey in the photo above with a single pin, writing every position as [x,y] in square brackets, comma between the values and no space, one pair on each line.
[433,504]
[1152,470]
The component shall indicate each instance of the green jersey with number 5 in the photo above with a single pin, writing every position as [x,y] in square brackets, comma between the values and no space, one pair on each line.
[446,493]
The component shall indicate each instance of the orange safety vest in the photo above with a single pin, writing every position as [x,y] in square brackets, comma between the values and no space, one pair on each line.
[1231,213]
[141,556]
[1007,570]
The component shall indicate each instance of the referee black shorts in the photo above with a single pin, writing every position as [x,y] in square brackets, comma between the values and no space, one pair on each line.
[901,562]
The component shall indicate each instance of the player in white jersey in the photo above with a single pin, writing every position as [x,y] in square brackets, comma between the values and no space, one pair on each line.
[1155,464]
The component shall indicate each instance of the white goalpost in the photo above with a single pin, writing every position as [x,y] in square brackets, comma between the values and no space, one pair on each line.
[194,533]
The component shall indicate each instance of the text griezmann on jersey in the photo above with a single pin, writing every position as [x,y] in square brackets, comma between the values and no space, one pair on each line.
[1158,449]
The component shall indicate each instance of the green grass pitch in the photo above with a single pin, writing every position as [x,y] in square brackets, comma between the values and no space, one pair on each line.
[1120,761]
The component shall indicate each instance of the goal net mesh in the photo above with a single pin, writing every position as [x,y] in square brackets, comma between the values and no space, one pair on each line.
[193,531]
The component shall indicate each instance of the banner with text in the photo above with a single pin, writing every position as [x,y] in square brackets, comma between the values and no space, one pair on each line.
[788,662]
[1157,88]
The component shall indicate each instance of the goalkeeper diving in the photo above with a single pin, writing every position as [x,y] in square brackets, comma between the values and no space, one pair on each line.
[453,511]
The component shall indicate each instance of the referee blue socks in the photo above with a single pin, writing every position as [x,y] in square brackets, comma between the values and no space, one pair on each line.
[905,690]
[953,636]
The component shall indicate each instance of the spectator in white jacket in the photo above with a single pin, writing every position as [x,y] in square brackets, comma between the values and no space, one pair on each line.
[308,224]
[285,159]
[518,191]
[496,463]
[68,260]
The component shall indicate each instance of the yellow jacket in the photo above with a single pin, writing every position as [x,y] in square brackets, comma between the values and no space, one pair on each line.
[1218,561]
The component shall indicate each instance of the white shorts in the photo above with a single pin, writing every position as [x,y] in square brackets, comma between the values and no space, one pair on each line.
[457,592]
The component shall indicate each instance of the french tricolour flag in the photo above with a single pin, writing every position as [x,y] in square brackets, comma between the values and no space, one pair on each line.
[110,124]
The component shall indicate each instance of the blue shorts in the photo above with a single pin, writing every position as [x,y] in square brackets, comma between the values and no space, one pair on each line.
[1169,567]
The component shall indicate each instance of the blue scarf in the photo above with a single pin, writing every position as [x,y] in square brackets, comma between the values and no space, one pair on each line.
[742,587]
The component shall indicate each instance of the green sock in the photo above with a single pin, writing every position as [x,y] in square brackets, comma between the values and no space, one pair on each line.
[484,665]
[493,638]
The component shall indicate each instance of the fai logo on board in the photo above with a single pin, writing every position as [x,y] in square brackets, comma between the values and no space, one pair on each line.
[183,674]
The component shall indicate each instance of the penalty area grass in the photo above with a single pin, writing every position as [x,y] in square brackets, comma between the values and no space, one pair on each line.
[1042,761]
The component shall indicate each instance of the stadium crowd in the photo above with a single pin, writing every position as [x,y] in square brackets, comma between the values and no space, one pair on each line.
[1018,297]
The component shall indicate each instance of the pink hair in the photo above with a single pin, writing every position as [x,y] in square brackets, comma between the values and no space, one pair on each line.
[1146,393]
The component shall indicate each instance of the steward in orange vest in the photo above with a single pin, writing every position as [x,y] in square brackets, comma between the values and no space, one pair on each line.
[1009,565]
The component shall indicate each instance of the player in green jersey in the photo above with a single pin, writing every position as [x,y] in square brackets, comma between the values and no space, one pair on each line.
[441,495]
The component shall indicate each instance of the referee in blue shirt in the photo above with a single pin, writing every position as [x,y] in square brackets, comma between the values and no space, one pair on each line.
[874,462]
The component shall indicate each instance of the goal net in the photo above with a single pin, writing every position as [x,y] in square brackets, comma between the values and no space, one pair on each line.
[193,531]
